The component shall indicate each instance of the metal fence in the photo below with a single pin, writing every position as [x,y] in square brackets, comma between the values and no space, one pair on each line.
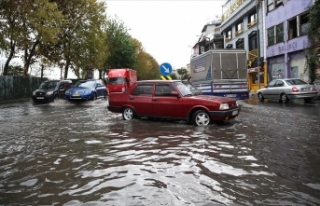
[14,87]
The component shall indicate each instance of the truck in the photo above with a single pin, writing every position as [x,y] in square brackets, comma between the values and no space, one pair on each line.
[221,72]
[120,79]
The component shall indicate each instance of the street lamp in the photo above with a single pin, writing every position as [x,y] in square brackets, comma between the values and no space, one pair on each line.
[62,62]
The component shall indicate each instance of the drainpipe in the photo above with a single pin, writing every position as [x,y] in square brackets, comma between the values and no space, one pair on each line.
[258,37]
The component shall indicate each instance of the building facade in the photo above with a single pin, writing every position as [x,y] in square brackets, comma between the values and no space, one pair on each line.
[286,25]
[242,27]
[210,38]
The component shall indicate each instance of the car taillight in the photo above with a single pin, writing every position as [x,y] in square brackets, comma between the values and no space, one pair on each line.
[314,89]
[294,89]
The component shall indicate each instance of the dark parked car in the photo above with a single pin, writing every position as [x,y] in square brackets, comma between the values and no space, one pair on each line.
[287,89]
[50,90]
[171,99]
[90,89]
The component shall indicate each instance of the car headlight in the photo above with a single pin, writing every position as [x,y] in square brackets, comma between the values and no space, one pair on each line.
[224,106]
[237,103]
[34,93]
[49,93]
[68,91]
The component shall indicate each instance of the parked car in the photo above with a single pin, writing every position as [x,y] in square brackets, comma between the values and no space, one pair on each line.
[288,89]
[171,99]
[50,90]
[90,89]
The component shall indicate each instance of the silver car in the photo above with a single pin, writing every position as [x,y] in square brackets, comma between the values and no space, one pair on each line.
[287,89]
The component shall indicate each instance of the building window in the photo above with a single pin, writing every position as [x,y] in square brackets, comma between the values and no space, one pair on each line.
[298,26]
[304,24]
[240,44]
[229,35]
[273,4]
[271,40]
[219,45]
[279,33]
[292,31]
[229,46]
[270,5]
[275,34]
[239,28]
[253,44]
[252,18]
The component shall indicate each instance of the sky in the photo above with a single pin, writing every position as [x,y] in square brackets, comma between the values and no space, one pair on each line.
[167,29]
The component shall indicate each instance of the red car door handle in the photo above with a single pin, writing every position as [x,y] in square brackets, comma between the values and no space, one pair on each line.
[131,98]
[154,99]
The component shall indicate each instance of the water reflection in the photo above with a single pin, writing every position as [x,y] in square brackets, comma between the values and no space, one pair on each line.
[83,155]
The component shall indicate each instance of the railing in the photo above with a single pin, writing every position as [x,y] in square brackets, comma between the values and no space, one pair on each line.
[227,39]
[238,32]
[251,24]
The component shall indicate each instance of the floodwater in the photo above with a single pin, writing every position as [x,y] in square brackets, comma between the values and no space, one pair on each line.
[81,154]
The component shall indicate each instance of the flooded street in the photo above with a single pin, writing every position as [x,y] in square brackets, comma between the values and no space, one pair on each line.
[81,154]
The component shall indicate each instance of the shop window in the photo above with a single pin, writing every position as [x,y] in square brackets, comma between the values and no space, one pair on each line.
[294,72]
[277,71]
[271,40]
[293,31]
[279,33]
[304,24]
[253,44]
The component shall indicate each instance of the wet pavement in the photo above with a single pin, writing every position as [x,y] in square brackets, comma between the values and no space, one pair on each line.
[81,154]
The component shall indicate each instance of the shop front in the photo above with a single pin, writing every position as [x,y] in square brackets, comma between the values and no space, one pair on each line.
[257,79]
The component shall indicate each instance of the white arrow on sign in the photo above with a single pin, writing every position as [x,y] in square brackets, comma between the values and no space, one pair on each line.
[165,69]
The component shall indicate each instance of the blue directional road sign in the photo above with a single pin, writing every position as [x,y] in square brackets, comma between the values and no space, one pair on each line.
[165,69]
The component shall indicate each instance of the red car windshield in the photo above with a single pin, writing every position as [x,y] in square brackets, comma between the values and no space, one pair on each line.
[183,89]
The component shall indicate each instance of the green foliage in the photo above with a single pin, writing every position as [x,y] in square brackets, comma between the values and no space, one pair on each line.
[314,41]
[15,70]
[173,76]
[122,48]
[182,72]
[77,31]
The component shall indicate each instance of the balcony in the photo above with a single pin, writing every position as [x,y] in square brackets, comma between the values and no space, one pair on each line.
[251,24]
[238,32]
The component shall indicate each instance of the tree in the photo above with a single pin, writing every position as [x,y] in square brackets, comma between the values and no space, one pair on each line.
[146,65]
[314,41]
[10,29]
[182,72]
[122,48]
[81,40]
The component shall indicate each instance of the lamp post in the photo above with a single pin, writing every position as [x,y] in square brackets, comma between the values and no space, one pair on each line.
[61,64]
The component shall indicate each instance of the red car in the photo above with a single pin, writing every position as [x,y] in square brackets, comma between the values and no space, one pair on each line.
[171,99]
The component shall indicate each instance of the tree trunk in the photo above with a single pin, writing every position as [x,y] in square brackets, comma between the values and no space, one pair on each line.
[6,66]
[28,57]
